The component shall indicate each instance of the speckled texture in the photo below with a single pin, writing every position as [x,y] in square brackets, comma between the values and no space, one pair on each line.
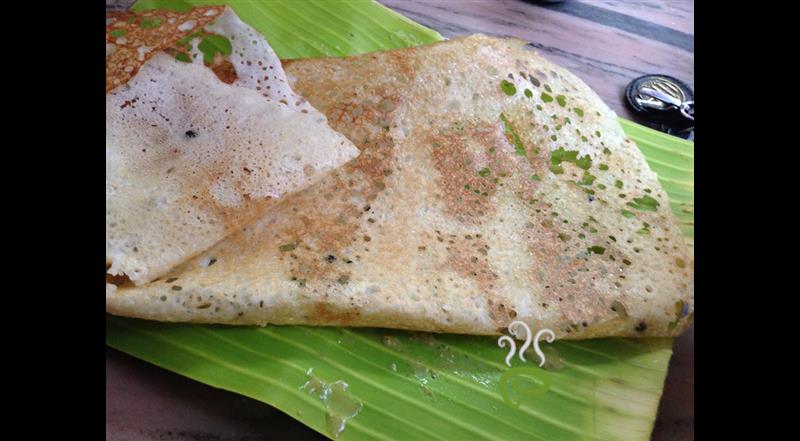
[191,158]
[565,226]
[132,39]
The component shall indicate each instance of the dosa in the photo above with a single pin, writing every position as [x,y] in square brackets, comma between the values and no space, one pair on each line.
[195,150]
[492,186]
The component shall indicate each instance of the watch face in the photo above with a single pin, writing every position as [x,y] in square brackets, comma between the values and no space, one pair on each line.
[663,100]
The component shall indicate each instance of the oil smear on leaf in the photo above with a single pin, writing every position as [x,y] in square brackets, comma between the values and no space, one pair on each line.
[553,360]
[340,406]
[522,385]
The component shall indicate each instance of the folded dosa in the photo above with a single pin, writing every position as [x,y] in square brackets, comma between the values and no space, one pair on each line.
[492,186]
[191,155]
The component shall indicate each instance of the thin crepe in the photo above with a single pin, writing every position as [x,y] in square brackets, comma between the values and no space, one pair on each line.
[492,186]
[193,155]
[133,38]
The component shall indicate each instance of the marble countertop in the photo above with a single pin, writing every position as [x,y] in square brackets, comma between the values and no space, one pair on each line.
[605,42]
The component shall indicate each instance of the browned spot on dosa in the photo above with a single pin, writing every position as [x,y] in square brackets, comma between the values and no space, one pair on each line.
[133,37]
[500,311]
[477,162]
[120,281]
[469,258]
[318,238]
[223,69]
[363,178]
[466,178]
[323,313]
[569,277]
[229,217]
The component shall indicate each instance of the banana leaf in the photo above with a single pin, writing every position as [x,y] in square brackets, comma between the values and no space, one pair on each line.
[355,384]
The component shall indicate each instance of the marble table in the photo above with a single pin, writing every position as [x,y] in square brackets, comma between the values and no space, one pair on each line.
[605,42]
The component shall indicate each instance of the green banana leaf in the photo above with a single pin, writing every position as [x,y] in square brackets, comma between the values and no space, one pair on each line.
[354,384]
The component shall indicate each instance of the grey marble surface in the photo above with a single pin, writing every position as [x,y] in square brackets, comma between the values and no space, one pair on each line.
[605,42]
